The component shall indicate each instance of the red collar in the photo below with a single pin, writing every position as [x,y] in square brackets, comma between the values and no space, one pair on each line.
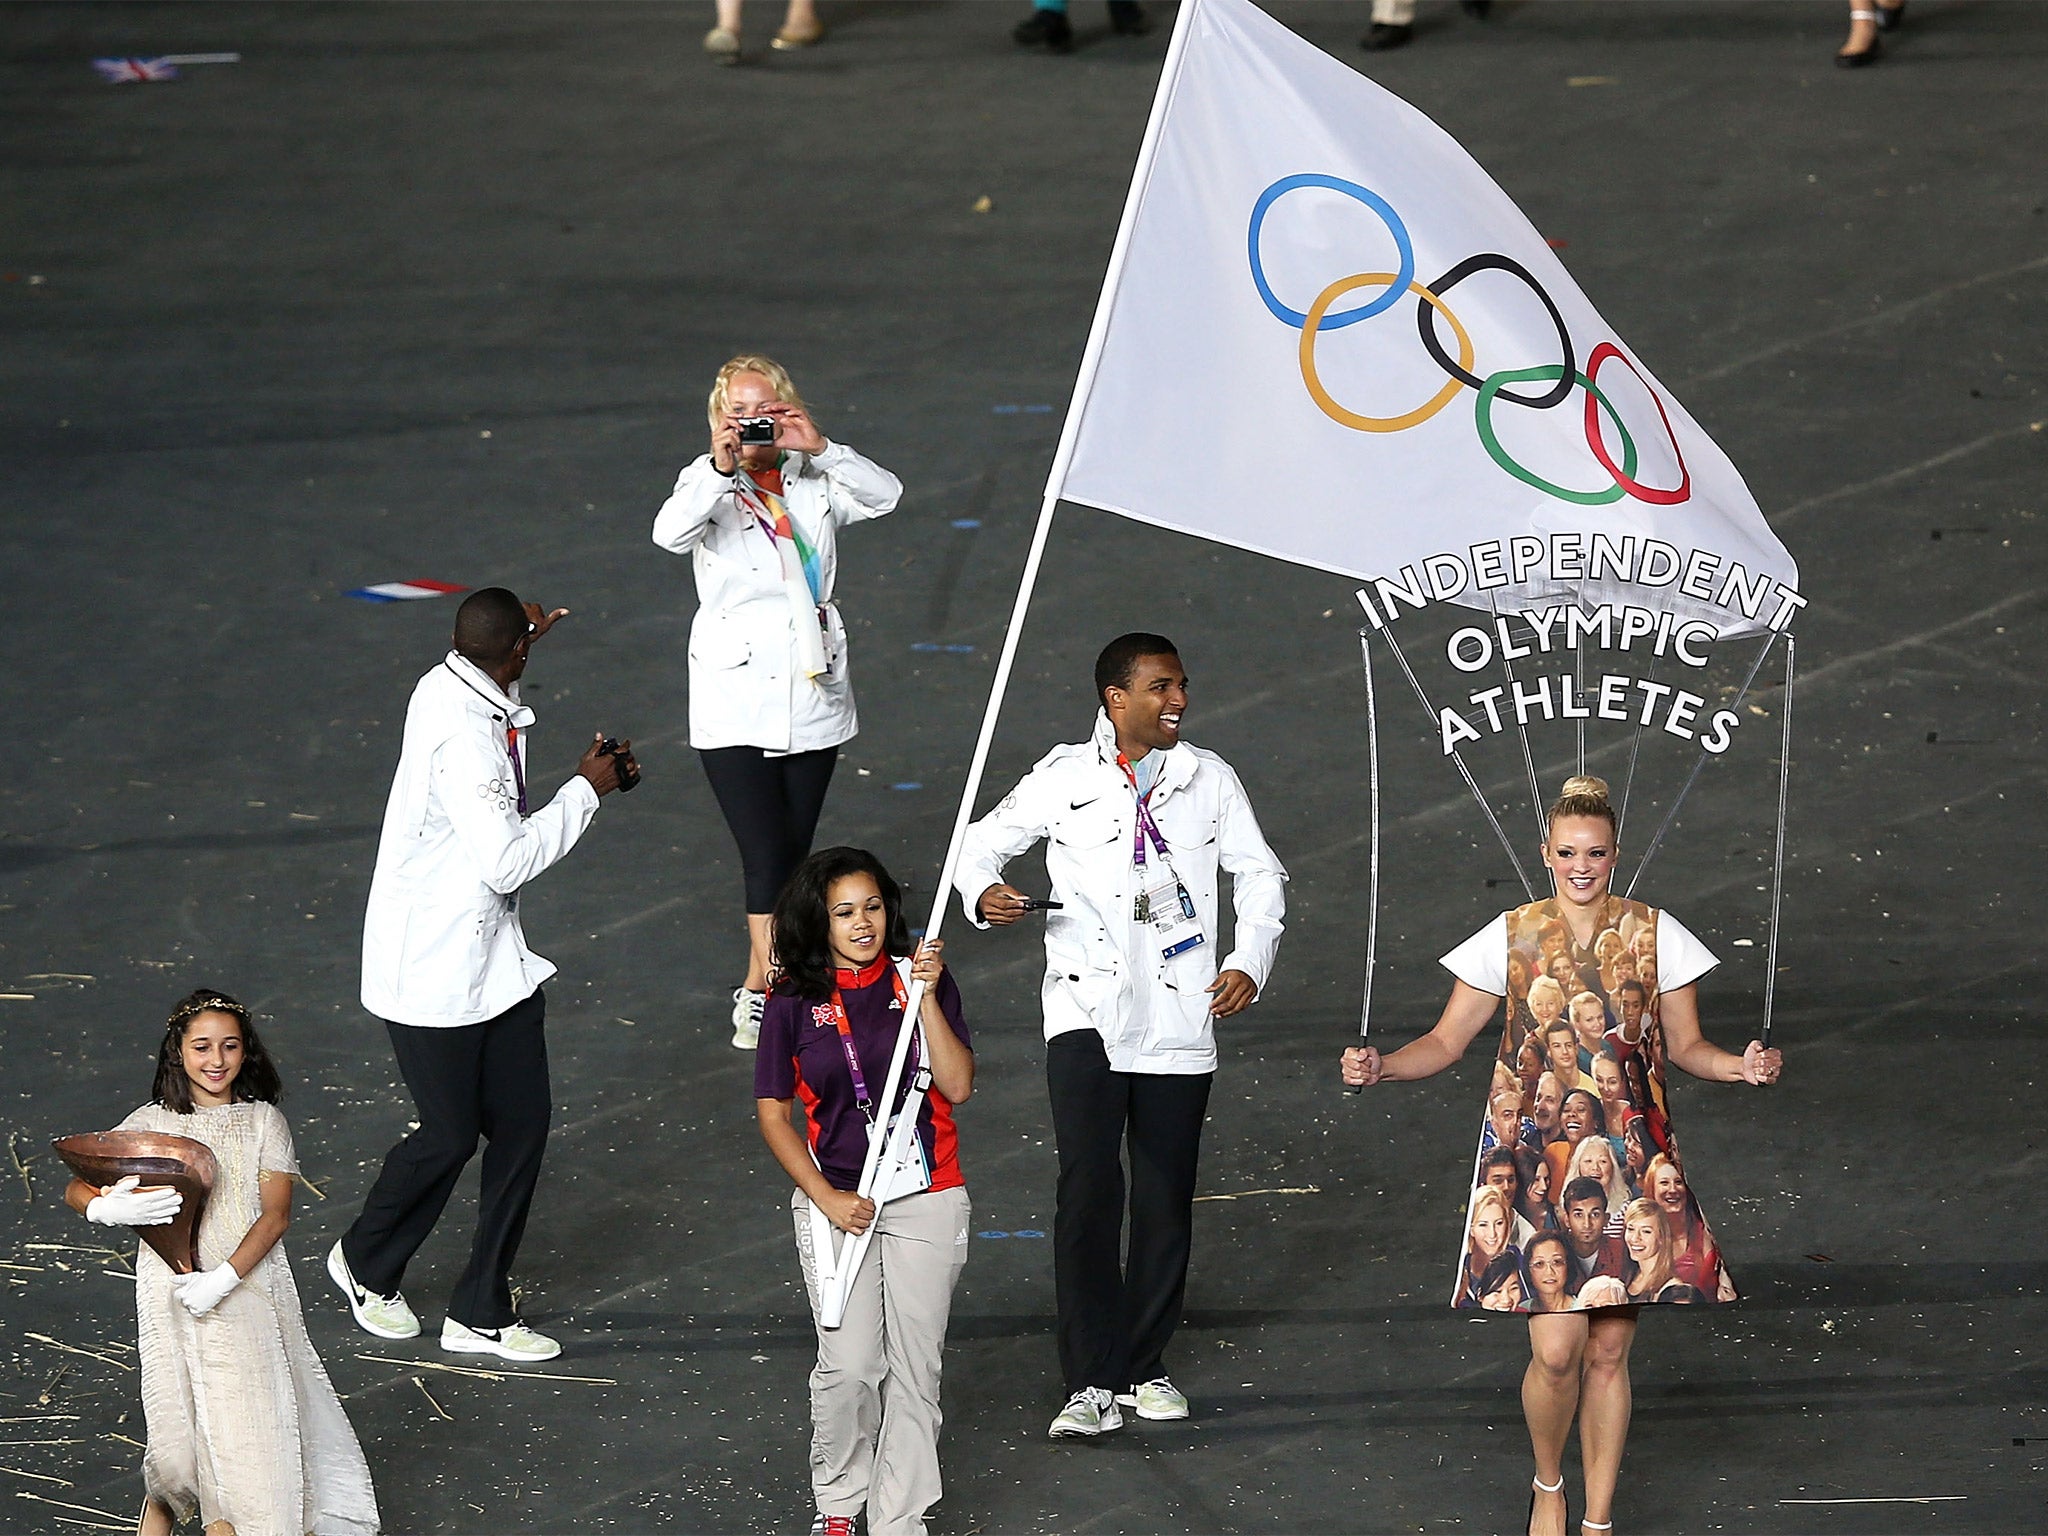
[867,976]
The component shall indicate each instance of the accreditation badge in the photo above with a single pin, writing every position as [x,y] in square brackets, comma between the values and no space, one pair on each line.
[1166,905]
[913,1174]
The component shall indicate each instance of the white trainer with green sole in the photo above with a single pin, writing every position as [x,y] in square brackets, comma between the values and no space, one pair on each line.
[388,1317]
[515,1341]
[1091,1411]
[1156,1399]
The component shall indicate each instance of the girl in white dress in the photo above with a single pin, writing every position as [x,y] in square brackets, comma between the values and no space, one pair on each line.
[245,1429]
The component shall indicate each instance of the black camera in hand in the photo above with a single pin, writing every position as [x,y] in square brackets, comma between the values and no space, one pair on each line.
[622,762]
[757,431]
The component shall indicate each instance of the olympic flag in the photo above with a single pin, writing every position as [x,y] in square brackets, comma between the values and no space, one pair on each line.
[1328,336]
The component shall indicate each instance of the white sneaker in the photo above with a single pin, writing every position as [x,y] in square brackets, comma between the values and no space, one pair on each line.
[515,1341]
[1156,1399]
[388,1317]
[747,1008]
[1091,1411]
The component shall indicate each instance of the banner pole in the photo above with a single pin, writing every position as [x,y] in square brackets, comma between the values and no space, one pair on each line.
[835,1287]
[1778,849]
[1372,879]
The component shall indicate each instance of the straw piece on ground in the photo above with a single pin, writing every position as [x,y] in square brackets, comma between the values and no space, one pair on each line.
[41,1477]
[73,1349]
[470,1370]
[433,1400]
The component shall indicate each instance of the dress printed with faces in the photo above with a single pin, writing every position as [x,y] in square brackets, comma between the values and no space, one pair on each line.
[1508,958]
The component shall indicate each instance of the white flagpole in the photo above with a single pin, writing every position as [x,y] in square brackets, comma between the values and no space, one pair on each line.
[835,1287]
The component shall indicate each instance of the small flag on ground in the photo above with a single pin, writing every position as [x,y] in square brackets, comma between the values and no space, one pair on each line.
[163,67]
[129,71]
[405,591]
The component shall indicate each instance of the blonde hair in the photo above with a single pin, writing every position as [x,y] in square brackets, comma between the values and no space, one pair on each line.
[1545,986]
[1489,1195]
[750,362]
[1582,795]
[1650,1280]
[1615,1185]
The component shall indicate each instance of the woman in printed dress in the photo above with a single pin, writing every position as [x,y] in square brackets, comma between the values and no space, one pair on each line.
[1579,1359]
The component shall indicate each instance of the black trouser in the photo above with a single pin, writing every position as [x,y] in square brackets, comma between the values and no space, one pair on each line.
[1115,1320]
[489,1080]
[772,806]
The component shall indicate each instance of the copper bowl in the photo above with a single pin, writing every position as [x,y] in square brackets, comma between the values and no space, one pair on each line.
[183,1164]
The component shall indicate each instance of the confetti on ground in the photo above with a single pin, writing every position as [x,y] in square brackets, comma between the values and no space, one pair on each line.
[958,522]
[1021,410]
[1591,80]
[949,650]
[907,784]
[405,591]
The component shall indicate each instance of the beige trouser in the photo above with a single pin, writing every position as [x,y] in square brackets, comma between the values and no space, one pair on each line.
[1394,13]
[875,1390]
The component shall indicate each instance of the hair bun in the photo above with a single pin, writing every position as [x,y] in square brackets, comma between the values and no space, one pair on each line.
[1584,786]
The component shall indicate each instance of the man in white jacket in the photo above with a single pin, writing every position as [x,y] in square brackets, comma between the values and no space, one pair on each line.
[1137,825]
[445,965]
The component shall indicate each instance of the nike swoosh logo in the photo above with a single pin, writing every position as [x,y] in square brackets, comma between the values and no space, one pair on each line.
[1076,805]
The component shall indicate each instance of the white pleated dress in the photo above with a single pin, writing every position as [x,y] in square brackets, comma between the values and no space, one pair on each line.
[244,1425]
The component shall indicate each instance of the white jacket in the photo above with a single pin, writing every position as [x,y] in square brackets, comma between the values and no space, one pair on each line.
[1103,969]
[745,687]
[442,945]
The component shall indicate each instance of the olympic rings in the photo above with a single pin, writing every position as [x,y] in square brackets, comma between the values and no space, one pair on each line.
[1313,322]
[1493,259]
[1626,481]
[1372,200]
[1484,421]
[1562,377]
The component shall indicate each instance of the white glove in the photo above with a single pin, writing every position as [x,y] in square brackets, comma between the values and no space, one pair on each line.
[205,1289]
[123,1205]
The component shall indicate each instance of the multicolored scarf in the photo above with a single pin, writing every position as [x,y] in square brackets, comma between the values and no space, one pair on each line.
[803,573]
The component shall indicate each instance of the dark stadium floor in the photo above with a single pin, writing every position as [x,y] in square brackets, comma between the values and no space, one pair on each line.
[435,291]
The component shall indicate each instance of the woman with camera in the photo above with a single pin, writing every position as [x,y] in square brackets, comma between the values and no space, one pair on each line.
[770,698]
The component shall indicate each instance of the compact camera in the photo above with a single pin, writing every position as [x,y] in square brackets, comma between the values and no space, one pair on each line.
[629,771]
[757,431]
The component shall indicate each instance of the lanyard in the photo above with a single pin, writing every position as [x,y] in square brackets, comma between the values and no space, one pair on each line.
[844,1026]
[511,735]
[518,773]
[1146,827]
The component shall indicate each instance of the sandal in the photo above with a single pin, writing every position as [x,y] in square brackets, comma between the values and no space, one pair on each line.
[723,44]
[1536,1486]
[1889,17]
[1863,56]
[798,37]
